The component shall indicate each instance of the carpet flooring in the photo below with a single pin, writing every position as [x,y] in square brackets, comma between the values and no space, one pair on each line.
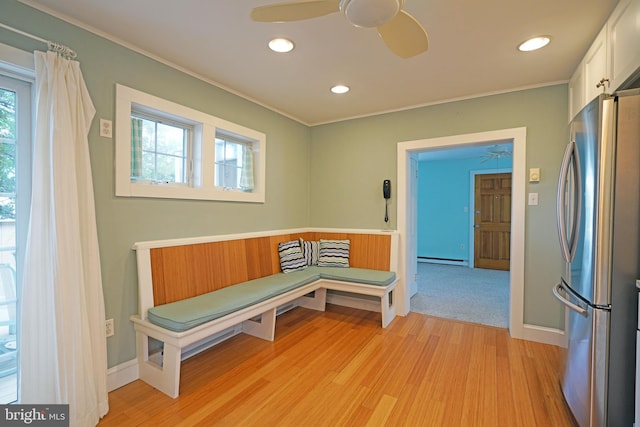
[462,293]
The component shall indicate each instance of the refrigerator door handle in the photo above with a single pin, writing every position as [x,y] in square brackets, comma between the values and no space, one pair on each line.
[569,242]
[558,291]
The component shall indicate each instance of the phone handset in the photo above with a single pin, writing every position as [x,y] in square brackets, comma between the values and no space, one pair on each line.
[386,193]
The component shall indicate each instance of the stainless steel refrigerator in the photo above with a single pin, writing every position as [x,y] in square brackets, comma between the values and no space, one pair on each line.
[598,210]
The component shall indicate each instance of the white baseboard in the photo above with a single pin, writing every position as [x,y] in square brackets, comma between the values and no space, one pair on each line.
[443,261]
[544,335]
[122,374]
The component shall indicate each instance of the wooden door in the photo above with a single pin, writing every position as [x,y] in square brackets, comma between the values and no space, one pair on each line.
[492,228]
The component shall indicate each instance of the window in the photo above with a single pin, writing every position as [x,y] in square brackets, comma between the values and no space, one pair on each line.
[234,163]
[159,150]
[167,150]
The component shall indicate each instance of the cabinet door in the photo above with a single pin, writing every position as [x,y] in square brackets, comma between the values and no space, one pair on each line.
[595,67]
[624,38]
[576,92]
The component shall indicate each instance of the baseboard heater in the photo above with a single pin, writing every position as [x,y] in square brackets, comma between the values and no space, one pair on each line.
[450,261]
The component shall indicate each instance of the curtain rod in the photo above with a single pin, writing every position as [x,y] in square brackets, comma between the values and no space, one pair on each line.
[52,46]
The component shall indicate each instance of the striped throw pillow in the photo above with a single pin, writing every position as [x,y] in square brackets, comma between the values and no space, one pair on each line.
[334,253]
[291,258]
[310,250]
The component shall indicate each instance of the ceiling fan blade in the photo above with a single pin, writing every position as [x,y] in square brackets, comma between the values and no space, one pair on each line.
[296,11]
[404,35]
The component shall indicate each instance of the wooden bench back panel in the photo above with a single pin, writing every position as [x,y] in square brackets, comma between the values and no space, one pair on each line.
[180,272]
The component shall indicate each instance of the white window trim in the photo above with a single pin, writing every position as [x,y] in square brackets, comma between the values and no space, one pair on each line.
[205,127]
[17,63]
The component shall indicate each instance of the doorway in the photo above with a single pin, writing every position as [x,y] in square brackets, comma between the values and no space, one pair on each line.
[407,186]
[453,184]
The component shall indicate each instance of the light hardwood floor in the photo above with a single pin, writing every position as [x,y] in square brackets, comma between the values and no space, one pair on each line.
[339,368]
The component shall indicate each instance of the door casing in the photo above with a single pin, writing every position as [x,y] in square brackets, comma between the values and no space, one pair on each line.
[518,136]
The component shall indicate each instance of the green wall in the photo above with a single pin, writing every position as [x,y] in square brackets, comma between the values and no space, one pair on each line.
[327,176]
[444,206]
[351,158]
[123,221]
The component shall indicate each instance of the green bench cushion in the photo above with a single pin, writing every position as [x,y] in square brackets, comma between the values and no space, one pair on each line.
[183,315]
[357,275]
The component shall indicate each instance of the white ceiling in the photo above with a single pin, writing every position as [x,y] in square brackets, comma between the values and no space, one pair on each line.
[472,50]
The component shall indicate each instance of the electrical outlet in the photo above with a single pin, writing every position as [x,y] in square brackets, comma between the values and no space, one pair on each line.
[106,129]
[109,327]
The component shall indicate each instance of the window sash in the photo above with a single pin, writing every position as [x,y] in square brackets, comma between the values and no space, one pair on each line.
[139,153]
[238,176]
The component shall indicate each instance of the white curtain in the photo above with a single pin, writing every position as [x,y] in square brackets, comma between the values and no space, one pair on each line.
[62,324]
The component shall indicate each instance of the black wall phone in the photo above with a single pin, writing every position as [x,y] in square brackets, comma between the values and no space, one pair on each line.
[386,189]
[386,193]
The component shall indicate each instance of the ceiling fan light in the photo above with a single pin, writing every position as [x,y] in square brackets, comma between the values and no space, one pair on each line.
[534,43]
[370,13]
[281,45]
[339,89]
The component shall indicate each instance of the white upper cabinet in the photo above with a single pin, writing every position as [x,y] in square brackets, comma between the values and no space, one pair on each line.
[595,67]
[590,78]
[576,92]
[612,59]
[624,42]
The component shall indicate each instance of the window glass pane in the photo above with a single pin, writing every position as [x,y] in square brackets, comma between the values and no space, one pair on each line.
[164,151]
[7,155]
[14,137]
[170,140]
[228,164]
[148,135]
[7,114]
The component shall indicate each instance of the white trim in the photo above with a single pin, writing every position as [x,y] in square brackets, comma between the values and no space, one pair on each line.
[462,263]
[250,234]
[122,374]
[545,335]
[444,101]
[472,201]
[519,138]
[17,63]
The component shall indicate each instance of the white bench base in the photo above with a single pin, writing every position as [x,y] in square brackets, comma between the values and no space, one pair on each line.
[258,320]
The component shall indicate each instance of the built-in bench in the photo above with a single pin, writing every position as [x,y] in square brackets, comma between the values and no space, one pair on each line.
[196,292]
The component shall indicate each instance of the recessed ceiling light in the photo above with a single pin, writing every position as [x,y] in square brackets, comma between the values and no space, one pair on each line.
[534,43]
[340,89]
[281,45]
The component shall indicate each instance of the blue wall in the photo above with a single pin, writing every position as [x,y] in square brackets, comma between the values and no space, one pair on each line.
[444,188]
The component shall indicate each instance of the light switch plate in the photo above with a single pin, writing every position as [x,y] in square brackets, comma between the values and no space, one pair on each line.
[533,199]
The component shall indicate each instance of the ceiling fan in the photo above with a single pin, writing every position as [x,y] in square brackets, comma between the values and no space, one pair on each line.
[496,152]
[401,32]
